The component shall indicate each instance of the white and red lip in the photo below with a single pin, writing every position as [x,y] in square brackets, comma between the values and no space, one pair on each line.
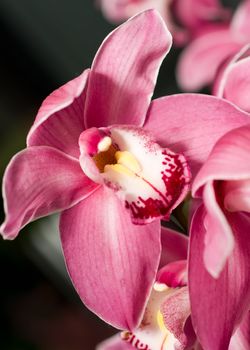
[150,180]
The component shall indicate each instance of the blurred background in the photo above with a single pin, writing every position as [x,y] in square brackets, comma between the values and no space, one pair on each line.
[43,45]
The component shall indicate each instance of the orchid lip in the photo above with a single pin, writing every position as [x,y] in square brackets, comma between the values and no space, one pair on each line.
[153,332]
[150,180]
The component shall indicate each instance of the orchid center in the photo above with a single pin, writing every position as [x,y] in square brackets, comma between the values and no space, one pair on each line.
[150,180]
[112,161]
[152,333]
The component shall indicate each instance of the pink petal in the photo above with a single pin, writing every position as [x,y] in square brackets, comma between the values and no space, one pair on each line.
[193,13]
[112,262]
[197,346]
[174,246]
[219,305]
[237,195]
[237,84]
[115,10]
[219,241]
[173,274]
[39,181]
[114,343]
[60,119]
[240,24]
[225,69]
[229,159]
[120,10]
[199,62]
[192,124]
[124,71]
[88,143]
[176,312]
[241,338]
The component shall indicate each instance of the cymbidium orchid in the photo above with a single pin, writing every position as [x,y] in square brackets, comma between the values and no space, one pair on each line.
[184,18]
[199,62]
[111,161]
[89,157]
[233,80]
[219,256]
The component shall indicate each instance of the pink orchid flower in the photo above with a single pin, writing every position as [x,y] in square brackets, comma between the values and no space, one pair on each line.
[92,155]
[219,256]
[89,157]
[183,17]
[233,81]
[199,62]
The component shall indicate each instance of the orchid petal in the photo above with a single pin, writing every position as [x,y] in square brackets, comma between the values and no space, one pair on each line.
[39,181]
[219,241]
[225,70]
[229,159]
[60,119]
[193,13]
[241,338]
[199,62]
[176,313]
[114,343]
[237,84]
[111,269]
[237,195]
[115,10]
[124,71]
[173,274]
[219,305]
[120,10]
[174,246]
[88,143]
[192,124]
[240,24]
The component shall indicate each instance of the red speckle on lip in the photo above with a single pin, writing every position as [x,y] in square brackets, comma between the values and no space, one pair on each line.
[176,183]
[134,341]
[151,208]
